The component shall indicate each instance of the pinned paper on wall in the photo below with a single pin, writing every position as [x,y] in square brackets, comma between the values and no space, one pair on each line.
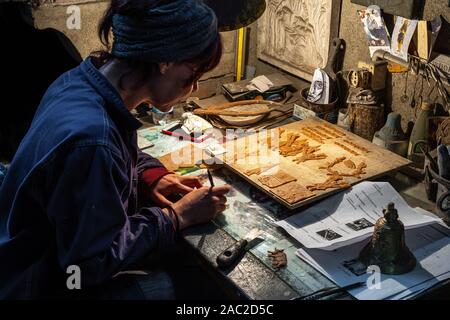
[401,38]
[375,29]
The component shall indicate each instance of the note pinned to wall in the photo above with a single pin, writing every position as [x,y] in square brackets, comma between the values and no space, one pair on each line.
[375,29]
[402,36]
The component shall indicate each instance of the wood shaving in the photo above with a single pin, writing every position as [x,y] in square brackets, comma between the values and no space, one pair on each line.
[310,157]
[329,132]
[319,132]
[311,150]
[350,164]
[354,145]
[333,129]
[252,172]
[291,137]
[294,149]
[343,146]
[333,182]
[330,165]
[312,135]
[357,172]
[278,258]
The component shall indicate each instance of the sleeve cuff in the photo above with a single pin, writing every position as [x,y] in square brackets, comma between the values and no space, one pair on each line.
[152,175]
[168,234]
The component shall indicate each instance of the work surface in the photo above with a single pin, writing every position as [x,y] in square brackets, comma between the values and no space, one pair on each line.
[254,277]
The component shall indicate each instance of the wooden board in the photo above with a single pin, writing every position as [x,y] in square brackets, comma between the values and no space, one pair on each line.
[296,35]
[379,161]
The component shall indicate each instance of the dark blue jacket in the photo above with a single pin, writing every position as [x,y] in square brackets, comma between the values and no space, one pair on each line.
[70,195]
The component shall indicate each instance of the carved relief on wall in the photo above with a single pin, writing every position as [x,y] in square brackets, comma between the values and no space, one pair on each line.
[295,35]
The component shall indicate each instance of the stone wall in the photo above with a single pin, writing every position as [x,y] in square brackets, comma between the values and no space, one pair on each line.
[350,29]
[85,39]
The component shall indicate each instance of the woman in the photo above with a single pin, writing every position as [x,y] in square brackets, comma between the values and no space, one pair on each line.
[69,200]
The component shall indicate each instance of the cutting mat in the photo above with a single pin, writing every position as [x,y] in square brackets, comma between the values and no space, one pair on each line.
[379,161]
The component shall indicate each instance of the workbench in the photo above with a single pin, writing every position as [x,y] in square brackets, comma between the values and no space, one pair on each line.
[254,277]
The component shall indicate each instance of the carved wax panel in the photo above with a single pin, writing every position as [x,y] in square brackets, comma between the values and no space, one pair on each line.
[295,35]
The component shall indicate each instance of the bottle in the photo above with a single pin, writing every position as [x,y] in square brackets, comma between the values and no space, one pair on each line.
[418,142]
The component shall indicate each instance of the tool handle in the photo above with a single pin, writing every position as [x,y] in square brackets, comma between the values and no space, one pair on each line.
[221,112]
[228,257]
[337,47]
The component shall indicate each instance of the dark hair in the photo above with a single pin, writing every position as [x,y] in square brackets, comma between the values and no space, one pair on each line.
[204,62]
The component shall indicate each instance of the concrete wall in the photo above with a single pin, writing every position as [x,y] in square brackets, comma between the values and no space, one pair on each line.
[350,29]
[86,40]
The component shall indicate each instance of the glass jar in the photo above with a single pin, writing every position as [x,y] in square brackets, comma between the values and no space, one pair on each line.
[161,118]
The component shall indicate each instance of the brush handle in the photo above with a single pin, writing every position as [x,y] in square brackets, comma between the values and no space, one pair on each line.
[214,112]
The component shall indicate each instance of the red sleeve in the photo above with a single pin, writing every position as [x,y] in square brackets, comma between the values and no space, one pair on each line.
[152,175]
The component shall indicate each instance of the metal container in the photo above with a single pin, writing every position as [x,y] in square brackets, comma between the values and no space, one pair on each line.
[328,112]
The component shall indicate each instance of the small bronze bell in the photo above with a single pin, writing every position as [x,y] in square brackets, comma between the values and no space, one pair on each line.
[388,249]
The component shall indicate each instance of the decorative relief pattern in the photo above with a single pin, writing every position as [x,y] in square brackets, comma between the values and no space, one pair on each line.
[295,35]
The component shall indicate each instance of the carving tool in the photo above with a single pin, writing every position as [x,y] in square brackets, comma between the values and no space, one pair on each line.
[211,181]
[221,110]
[234,253]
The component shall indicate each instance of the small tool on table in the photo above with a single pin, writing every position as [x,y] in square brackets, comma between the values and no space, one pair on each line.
[232,254]
[326,292]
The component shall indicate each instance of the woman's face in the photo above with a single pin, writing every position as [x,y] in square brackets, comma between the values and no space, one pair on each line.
[175,83]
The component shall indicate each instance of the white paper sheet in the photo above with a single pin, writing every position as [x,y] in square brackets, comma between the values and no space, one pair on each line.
[349,217]
[402,36]
[375,29]
[260,84]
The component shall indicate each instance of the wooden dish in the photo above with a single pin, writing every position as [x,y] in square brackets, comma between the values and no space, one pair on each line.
[240,113]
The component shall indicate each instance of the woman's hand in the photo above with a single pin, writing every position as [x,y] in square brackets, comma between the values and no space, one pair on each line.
[173,184]
[201,205]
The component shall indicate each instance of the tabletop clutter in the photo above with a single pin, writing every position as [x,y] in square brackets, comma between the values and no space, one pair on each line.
[318,158]
[329,140]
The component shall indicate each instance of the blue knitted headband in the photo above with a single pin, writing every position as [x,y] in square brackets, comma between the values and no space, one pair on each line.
[179,30]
